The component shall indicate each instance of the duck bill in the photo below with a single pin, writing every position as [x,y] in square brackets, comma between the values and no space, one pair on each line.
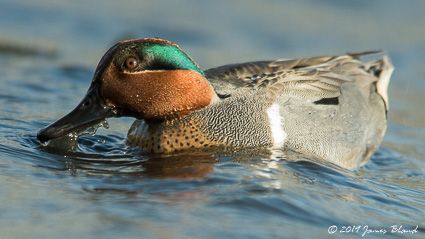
[90,111]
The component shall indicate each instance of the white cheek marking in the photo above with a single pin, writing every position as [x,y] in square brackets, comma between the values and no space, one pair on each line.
[275,119]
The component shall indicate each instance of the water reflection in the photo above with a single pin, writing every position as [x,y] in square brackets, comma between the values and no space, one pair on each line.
[108,155]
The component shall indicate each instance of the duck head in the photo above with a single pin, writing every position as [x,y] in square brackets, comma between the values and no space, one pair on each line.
[150,79]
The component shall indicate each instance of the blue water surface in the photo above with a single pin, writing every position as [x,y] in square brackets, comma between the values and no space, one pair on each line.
[103,189]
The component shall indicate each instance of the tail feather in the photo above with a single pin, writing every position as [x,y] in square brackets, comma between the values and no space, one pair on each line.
[384,79]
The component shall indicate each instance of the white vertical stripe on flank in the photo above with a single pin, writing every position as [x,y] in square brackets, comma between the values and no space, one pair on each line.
[275,119]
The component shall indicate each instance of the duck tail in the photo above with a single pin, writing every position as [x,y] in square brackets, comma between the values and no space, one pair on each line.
[386,69]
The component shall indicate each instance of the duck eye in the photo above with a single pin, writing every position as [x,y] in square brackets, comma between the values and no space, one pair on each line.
[130,63]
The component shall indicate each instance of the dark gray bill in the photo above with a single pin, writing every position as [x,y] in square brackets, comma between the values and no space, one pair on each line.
[90,111]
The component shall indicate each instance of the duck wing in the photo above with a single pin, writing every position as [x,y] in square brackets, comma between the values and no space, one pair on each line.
[312,79]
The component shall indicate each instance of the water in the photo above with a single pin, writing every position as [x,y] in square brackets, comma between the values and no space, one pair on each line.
[103,189]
